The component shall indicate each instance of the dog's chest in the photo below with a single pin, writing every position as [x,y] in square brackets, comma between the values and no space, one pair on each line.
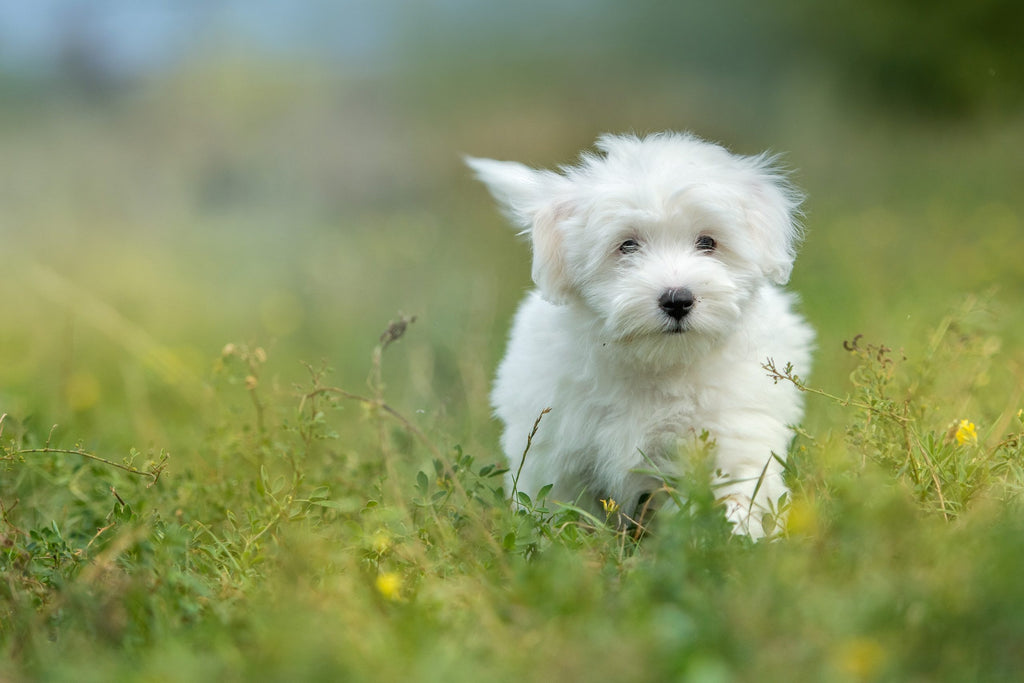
[636,416]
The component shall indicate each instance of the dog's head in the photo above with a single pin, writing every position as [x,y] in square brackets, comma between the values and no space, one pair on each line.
[657,235]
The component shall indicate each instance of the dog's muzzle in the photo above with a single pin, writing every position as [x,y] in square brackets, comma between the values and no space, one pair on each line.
[676,302]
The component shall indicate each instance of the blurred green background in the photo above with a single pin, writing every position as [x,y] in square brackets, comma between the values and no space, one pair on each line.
[178,175]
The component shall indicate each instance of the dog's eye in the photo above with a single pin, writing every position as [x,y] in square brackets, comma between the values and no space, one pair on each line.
[629,247]
[706,243]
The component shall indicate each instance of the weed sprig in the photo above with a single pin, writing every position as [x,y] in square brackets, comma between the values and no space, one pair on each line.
[902,424]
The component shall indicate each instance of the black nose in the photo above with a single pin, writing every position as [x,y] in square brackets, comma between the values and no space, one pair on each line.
[676,302]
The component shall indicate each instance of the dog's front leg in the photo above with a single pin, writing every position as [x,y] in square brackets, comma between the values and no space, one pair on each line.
[750,484]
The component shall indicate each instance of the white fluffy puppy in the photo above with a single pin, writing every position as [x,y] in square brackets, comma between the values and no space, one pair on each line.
[657,264]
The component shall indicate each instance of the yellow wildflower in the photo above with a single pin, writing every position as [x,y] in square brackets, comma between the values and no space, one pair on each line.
[389,585]
[966,431]
[610,506]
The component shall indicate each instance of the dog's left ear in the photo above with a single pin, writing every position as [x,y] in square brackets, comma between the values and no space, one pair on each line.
[772,207]
[533,200]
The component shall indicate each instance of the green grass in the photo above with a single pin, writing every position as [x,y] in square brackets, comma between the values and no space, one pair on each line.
[246,481]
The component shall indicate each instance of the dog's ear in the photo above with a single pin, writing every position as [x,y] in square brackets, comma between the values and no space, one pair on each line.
[772,208]
[535,201]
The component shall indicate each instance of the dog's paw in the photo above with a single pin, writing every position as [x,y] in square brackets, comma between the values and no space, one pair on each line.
[750,518]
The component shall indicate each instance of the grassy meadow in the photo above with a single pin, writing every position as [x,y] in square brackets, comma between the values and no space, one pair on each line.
[229,453]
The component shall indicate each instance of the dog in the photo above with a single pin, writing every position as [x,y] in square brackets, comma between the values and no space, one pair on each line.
[658,263]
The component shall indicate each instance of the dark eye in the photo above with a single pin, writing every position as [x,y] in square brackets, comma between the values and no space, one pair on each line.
[629,247]
[706,243]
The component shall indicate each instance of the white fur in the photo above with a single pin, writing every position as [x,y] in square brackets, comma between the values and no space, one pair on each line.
[625,381]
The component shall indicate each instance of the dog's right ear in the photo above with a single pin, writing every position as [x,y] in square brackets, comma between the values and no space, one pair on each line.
[537,202]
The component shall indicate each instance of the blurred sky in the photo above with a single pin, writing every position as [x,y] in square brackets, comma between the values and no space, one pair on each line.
[947,56]
[130,37]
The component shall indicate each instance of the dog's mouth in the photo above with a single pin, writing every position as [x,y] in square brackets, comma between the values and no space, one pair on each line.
[676,327]
[672,328]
